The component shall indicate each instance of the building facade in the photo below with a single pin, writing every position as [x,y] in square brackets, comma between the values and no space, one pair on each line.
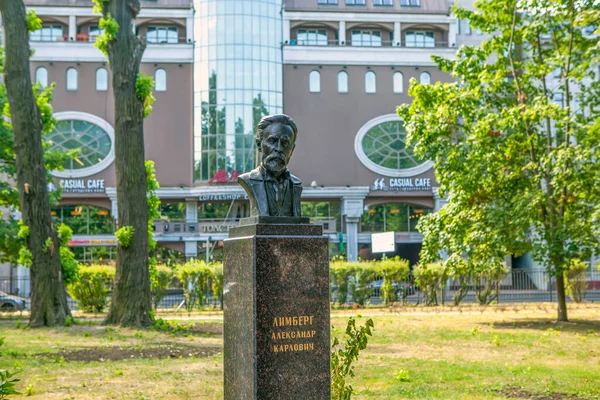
[338,67]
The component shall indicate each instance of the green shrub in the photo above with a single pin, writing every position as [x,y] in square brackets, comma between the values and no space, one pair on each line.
[362,274]
[216,281]
[340,271]
[159,283]
[92,286]
[487,280]
[576,280]
[342,360]
[461,272]
[193,276]
[430,278]
[392,269]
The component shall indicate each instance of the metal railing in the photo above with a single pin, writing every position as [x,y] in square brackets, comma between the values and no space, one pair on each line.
[88,3]
[376,44]
[519,286]
[87,38]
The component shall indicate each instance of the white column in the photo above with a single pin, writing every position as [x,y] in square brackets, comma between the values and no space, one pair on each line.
[190,249]
[191,212]
[452,33]
[72,27]
[352,209]
[286,31]
[114,209]
[342,33]
[397,34]
[189,29]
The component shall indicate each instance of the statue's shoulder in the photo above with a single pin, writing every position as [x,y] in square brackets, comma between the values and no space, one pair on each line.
[253,175]
[295,180]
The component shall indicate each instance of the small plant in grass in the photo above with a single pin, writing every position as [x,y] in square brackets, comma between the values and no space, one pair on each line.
[7,381]
[342,360]
[402,375]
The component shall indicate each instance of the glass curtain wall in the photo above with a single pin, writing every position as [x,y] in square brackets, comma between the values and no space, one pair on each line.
[237,80]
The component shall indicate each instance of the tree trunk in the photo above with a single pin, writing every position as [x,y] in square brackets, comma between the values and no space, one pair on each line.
[48,300]
[561,296]
[131,301]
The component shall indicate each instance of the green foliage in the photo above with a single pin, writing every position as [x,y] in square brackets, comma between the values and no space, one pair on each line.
[23,230]
[159,283]
[402,375]
[33,21]
[342,360]
[92,286]
[193,276]
[124,235]
[431,278]
[462,273]
[340,271]
[110,27]
[143,90]
[7,381]
[25,257]
[216,281]
[173,327]
[67,257]
[69,321]
[520,171]
[487,282]
[48,245]
[65,234]
[362,275]
[392,269]
[153,200]
[576,280]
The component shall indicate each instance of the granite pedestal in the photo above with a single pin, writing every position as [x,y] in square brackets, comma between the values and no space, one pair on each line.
[276,311]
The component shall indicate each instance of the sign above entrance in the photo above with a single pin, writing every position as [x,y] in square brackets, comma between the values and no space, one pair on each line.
[222,197]
[401,184]
[82,185]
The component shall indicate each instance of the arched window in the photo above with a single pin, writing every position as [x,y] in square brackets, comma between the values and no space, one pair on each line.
[398,82]
[370,82]
[101,80]
[425,78]
[72,79]
[342,82]
[314,81]
[160,80]
[41,76]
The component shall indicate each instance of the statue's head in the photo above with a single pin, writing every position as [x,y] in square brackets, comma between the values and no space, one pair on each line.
[276,140]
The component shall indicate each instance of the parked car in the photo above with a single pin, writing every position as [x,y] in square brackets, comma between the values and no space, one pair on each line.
[9,302]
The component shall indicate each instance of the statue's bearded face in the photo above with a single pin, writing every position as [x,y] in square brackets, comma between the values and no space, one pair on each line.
[277,145]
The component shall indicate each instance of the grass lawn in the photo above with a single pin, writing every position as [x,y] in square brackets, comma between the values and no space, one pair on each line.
[446,353]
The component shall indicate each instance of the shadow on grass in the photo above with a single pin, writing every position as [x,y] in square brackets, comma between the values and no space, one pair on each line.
[543,324]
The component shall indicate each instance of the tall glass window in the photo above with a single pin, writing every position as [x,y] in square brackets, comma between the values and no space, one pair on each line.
[342,82]
[314,82]
[237,80]
[47,33]
[101,80]
[397,217]
[364,37]
[425,78]
[312,37]
[398,82]
[420,39]
[72,76]
[160,80]
[370,82]
[41,76]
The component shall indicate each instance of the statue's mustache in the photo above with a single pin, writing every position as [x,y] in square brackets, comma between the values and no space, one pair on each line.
[277,156]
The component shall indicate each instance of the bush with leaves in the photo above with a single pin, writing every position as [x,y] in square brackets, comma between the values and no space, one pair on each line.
[160,280]
[193,276]
[340,271]
[216,281]
[576,280]
[392,270]
[93,284]
[487,280]
[462,274]
[342,360]
[362,274]
[431,278]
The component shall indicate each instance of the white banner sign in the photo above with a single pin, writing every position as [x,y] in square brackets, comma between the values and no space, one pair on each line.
[383,242]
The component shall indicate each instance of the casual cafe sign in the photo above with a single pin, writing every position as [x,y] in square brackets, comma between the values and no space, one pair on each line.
[82,185]
[401,184]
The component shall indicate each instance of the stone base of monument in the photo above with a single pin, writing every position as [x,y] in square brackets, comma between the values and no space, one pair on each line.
[276,310]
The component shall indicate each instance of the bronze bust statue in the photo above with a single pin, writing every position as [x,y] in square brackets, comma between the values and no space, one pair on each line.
[272,190]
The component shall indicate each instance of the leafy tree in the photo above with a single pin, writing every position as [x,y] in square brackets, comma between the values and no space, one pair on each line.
[577,283]
[131,303]
[92,286]
[160,283]
[30,117]
[520,171]
[431,278]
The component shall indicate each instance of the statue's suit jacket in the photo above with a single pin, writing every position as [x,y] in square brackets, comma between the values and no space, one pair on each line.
[254,185]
